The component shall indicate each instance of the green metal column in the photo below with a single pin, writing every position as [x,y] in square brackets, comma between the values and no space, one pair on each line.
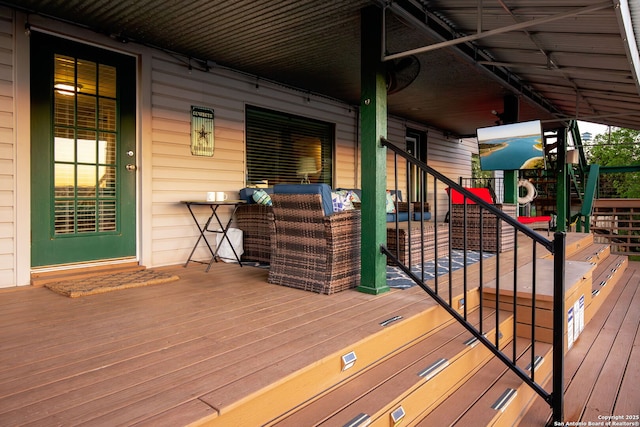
[562,186]
[511,114]
[511,187]
[373,116]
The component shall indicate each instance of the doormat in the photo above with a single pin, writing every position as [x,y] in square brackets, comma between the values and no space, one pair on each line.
[110,282]
[396,278]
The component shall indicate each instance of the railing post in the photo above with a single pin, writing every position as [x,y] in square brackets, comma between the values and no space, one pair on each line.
[557,397]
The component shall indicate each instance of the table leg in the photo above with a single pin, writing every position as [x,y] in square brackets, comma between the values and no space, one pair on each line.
[202,236]
[224,229]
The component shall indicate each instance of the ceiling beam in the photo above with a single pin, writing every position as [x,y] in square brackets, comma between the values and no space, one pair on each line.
[515,27]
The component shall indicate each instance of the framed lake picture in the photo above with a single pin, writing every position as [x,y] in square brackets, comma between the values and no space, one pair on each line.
[511,147]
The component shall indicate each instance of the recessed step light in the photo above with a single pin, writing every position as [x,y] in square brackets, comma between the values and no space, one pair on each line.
[471,342]
[361,420]
[348,360]
[434,369]
[537,361]
[397,416]
[504,400]
[390,320]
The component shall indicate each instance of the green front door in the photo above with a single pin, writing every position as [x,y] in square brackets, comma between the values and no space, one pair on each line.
[83,176]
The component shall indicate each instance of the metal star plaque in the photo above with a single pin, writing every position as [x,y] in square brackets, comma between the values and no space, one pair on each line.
[202,131]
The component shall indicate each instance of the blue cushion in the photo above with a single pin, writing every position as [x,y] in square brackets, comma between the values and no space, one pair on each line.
[402,217]
[424,216]
[246,193]
[323,189]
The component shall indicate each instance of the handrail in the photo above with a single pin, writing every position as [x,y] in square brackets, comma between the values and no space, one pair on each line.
[469,195]
[556,247]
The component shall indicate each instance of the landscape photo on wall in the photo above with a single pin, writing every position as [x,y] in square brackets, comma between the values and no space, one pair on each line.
[511,147]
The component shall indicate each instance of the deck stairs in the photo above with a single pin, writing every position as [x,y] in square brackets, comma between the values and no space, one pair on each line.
[427,370]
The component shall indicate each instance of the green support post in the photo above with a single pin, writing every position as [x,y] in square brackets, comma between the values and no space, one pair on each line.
[373,116]
[511,187]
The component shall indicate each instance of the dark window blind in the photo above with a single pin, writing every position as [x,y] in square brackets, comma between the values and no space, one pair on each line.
[285,148]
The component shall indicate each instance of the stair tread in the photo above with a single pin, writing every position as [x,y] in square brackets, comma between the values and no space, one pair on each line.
[486,389]
[381,385]
[466,396]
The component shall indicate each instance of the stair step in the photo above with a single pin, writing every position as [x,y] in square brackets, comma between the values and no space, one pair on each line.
[494,395]
[593,253]
[402,385]
[605,277]
[41,278]
[576,242]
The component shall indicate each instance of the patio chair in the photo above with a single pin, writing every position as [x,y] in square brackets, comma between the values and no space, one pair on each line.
[254,219]
[312,247]
[496,237]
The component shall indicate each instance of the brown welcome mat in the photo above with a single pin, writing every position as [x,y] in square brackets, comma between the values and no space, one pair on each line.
[110,282]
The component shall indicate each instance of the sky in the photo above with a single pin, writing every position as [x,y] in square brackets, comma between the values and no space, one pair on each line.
[593,128]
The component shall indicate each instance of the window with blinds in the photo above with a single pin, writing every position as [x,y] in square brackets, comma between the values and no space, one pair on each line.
[284,148]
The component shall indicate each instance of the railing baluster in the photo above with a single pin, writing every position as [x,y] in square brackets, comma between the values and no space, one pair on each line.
[554,399]
[534,277]
[481,306]
[515,294]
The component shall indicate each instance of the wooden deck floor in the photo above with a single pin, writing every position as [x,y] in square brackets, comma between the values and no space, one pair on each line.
[172,354]
[602,370]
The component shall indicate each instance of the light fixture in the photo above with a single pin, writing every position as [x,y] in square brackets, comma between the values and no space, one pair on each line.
[348,360]
[67,89]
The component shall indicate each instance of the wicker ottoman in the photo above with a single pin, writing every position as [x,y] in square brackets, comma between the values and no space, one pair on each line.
[496,235]
[403,241]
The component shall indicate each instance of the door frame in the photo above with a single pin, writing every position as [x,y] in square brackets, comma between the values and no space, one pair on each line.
[23,173]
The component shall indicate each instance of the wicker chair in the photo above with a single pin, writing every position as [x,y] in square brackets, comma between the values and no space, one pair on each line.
[313,248]
[496,237]
[255,222]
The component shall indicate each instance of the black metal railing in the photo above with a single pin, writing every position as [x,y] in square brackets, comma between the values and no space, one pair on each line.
[490,226]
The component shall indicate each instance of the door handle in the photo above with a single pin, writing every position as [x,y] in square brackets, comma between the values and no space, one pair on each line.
[130,167]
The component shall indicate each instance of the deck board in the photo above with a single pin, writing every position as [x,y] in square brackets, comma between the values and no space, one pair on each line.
[584,363]
[174,353]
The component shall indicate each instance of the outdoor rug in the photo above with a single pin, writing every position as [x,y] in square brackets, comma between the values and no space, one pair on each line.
[396,278]
[110,282]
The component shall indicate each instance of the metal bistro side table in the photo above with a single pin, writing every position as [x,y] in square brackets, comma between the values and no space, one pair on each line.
[205,228]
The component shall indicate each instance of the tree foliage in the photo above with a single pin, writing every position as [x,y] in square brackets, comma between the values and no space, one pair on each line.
[620,147]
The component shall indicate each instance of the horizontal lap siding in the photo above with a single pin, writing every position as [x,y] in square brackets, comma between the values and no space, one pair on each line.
[177,175]
[7,152]
[450,156]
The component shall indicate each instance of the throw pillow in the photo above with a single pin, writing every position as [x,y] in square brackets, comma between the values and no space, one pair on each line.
[338,202]
[349,197]
[261,197]
[391,206]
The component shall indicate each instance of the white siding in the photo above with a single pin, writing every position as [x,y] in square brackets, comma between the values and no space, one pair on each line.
[168,173]
[7,152]
[177,175]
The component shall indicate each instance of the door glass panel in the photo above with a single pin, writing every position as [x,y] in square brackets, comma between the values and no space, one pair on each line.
[87,110]
[64,143]
[65,216]
[86,146]
[107,215]
[85,159]
[107,114]
[86,181]
[107,81]
[64,179]
[87,76]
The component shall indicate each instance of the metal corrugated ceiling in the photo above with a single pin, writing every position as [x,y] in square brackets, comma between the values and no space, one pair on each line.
[576,67]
